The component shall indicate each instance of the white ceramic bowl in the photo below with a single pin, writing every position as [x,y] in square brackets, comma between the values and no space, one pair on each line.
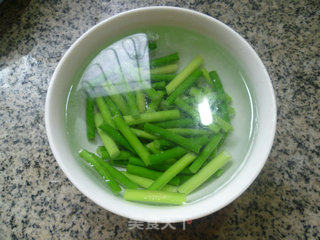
[209,199]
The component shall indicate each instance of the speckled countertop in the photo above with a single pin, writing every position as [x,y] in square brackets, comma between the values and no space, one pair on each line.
[38,202]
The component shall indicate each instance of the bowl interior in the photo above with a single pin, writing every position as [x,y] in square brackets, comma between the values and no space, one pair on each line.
[244,79]
[189,45]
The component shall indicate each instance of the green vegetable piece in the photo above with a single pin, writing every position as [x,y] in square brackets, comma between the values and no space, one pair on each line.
[193,113]
[117,175]
[151,93]
[226,126]
[204,173]
[141,101]
[160,167]
[118,163]
[224,136]
[132,104]
[149,173]
[158,85]
[184,178]
[120,103]
[207,78]
[156,100]
[103,153]
[182,122]
[165,166]
[154,196]
[116,136]
[112,107]
[152,117]
[162,77]
[205,153]
[152,45]
[165,69]
[153,146]
[142,134]
[223,107]
[140,149]
[173,137]
[196,92]
[89,158]
[216,81]
[193,65]
[215,151]
[170,161]
[183,87]
[214,127]
[161,143]
[177,167]
[103,108]
[218,173]
[202,140]
[165,155]
[108,142]
[187,108]
[185,171]
[166,60]
[136,161]
[146,182]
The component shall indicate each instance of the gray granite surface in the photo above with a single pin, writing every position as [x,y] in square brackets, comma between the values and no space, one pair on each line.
[38,202]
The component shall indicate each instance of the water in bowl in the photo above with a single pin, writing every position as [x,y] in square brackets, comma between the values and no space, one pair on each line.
[188,44]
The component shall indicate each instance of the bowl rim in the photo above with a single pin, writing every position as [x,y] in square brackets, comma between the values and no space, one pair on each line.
[204,207]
